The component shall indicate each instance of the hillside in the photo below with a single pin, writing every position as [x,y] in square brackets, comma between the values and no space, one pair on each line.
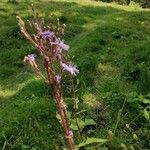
[109,43]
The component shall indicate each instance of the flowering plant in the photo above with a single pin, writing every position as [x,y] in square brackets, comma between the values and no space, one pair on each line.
[49,43]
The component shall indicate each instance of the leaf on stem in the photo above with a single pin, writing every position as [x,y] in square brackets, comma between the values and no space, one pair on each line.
[92,141]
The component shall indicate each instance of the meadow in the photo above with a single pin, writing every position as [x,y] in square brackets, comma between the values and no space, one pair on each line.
[110,44]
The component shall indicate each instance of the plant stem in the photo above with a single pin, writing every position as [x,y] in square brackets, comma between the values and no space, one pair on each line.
[75,109]
[118,116]
[61,106]
[63,114]
[47,65]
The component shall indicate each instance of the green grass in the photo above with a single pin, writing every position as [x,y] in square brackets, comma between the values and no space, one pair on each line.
[111,46]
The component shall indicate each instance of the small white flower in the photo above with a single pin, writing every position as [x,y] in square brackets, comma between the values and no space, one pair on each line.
[71,68]
[61,44]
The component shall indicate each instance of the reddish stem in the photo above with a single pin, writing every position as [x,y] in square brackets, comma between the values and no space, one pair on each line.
[61,107]
[47,65]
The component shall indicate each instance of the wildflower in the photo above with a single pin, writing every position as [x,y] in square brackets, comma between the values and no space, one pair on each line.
[31,59]
[47,34]
[71,68]
[61,44]
[64,46]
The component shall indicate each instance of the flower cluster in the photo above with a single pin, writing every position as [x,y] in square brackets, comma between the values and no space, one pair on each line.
[47,34]
[53,49]
[50,45]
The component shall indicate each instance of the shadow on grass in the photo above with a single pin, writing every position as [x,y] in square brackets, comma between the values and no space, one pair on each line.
[28,119]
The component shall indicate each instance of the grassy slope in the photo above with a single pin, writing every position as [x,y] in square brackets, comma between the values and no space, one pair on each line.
[110,44]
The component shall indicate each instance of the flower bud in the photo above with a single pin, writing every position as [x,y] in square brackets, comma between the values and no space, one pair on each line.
[21,23]
[58,79]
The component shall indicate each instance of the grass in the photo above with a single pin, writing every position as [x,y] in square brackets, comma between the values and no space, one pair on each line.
[110,45]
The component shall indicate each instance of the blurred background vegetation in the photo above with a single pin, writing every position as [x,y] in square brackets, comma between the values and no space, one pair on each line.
[143,3]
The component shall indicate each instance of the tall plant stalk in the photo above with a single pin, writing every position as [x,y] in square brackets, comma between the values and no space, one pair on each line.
[53,50]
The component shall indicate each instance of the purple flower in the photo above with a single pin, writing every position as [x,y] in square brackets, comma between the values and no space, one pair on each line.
[61,44]
[71,68]
[64,46]
[31,57]
[47,34]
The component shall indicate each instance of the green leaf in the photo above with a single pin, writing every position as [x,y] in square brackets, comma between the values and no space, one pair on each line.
[81,124]
[58,117]
[91,141]
[132,97]
[76,103]
[24,147]
[69,114]
[90,122]
[80,112]
[146,114]
[73,125]
[146,101]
